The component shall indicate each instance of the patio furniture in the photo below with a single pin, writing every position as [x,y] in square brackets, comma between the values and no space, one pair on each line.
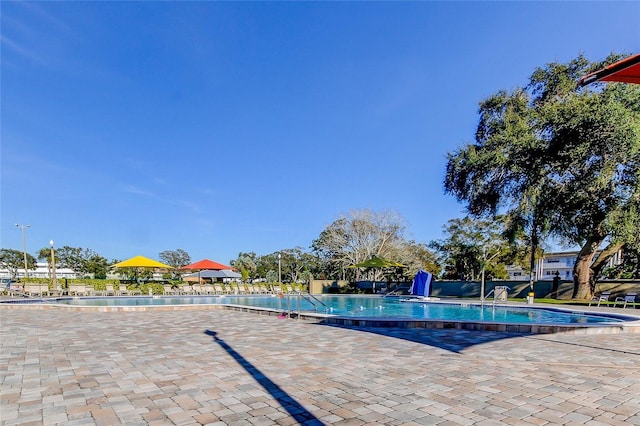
[602,297]
[109,291]
[34,289]
[629,298]
[77,289]
[56,292]
[186,289]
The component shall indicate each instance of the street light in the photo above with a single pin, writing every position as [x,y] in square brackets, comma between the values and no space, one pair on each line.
[53,266]
[279,268]
[484,264]
[24,248]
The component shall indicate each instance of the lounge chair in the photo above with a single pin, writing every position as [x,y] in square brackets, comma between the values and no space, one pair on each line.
[57,291]
[186,289]
[33,289]
[629,298]
[76,289]
[110,291]
[602,297]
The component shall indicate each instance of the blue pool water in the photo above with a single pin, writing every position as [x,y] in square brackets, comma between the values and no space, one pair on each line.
[369,306]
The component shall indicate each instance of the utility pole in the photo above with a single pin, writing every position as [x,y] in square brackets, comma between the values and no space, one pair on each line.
[24,249]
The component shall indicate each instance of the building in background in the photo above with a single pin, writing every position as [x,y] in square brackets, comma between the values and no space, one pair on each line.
[41,271]
[561,263]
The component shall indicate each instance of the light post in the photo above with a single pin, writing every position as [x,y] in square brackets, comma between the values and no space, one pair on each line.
[53,266]
[24,248]
[279,268]
[484,263]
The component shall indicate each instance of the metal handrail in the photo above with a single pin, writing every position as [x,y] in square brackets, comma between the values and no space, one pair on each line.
[393,293]
[308,296]
[487,296]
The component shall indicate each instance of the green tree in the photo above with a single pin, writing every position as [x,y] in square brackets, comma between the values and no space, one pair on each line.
[417,256]
[83,262]
[266,266]
[13,260]
[73,258]
[469,244]
[176,259]
[245,263]
[297,265]
[558,160]
[97,266]
[629,234]
[44,254]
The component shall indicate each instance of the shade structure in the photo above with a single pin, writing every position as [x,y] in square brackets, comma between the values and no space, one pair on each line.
[378,262]
[624,71]
[140,262]
[209,273]
[205,265]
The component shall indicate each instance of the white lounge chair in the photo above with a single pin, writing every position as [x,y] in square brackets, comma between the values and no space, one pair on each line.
[629,298]
[76,289]
[33,289]
[602,297]
[109,291]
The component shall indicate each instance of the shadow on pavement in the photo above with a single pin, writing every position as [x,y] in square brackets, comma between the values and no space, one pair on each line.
[452,340]
[297,411]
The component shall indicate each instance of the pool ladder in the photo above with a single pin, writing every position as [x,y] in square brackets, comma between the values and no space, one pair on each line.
[488,295]
[500,296]
[309,298]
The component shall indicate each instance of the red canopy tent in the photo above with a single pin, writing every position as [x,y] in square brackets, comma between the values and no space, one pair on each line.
[205,265]
[625,71]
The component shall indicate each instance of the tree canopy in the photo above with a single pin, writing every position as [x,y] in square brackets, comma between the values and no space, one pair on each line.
[557,160]
[470,243]
[12,260]
[362,234]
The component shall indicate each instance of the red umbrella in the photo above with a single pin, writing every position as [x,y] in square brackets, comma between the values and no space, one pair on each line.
[205,265]
[625,71]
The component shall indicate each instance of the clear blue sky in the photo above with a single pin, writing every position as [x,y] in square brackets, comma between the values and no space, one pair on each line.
[131,128]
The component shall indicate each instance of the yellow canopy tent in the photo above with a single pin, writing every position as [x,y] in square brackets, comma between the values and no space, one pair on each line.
[140,262]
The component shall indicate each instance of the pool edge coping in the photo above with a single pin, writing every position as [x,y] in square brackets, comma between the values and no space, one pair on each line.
[632,324]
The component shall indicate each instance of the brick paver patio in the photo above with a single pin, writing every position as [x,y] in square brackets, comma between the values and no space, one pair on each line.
[218,367]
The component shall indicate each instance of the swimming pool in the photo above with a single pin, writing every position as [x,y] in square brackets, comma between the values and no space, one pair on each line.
[371,307]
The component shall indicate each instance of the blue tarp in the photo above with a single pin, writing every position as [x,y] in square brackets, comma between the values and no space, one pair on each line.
[421,285]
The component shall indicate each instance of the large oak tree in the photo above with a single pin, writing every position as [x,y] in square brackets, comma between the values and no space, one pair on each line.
[558,160]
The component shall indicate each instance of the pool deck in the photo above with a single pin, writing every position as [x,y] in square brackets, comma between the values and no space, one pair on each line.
[191,367]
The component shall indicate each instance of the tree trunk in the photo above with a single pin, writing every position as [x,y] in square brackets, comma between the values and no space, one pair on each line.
[603,258]
[582,272]
[532,258]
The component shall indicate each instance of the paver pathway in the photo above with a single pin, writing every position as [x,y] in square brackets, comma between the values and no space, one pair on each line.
[68,367]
